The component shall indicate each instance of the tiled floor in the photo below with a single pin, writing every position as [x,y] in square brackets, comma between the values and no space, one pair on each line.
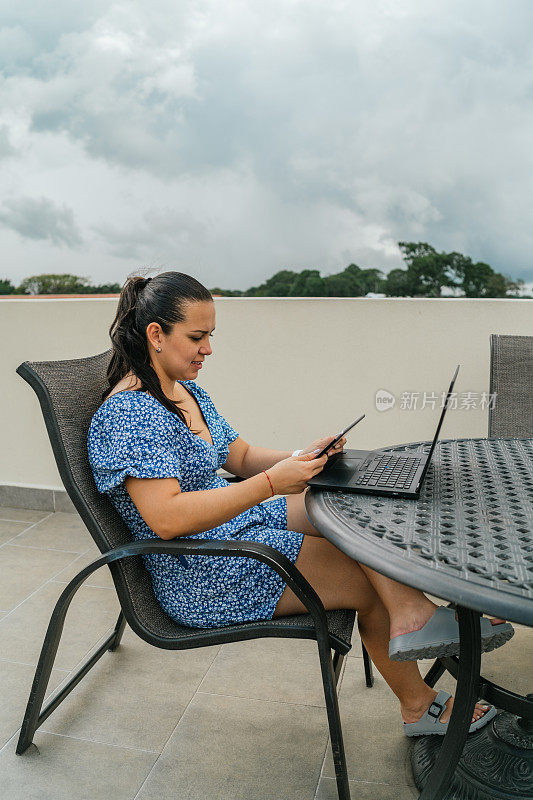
[244,721]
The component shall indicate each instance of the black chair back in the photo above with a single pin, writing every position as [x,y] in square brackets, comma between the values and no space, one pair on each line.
[511,379]
[70,393]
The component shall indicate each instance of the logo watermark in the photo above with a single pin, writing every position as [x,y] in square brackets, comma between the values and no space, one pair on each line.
[384,400]
[418,401]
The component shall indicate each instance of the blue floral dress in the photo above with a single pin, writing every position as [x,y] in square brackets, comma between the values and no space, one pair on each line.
[133,434]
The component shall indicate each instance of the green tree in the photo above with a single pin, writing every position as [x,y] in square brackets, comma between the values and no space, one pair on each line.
[102,288]
[347,283]
[496,285]
[427,273]
[515,287]
[226,292]
[499,285]
[428,270]
[279,285]
[54,284]
[353,282]
[308,283]
[6,287]
[480,280]
[372,279]
[471,277]
[354,277]
[338,285]
[398,283]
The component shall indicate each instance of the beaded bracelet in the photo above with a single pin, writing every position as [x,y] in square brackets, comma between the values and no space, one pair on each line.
[270,482]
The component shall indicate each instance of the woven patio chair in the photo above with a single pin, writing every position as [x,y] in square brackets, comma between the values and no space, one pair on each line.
[511,379]
[69,393]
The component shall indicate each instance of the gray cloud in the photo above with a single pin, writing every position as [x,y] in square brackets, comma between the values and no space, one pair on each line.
[39,218]
[160,231]
[334,129]
[6,148]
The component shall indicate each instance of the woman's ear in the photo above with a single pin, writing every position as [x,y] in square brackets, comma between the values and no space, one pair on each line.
[154,334]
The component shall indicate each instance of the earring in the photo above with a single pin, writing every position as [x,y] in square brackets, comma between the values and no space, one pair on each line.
[157,349]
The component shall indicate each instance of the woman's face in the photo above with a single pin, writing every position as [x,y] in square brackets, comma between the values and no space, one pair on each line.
[185,348]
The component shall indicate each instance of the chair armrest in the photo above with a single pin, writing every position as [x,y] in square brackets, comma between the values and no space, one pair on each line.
[211,547]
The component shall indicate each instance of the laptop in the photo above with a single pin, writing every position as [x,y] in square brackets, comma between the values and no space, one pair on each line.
[377,471]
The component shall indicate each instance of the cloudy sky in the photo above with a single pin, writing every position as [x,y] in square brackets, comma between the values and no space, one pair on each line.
[233,139]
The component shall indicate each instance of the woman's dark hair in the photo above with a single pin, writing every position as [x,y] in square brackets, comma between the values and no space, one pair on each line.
[160,299]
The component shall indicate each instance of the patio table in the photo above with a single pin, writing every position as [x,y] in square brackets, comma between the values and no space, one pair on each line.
[468,539]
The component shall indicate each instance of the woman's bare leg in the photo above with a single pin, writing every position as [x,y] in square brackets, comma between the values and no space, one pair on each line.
[341,582]
[297,519]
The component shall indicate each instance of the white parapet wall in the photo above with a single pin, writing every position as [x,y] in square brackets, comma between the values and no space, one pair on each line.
[284,370]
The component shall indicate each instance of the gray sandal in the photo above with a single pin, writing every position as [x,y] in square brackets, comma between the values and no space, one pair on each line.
[429,723]
[440,637]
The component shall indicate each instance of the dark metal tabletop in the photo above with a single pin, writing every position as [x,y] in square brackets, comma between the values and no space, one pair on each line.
[467,539]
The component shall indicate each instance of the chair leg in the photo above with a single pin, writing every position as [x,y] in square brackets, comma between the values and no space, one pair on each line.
[338,660]
[369,675]
[42,676]
[119,630]
[334,721]
[34,716]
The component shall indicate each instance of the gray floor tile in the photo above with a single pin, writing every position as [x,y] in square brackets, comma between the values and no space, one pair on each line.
[327,790]
[2,614]
[59,531]
[21,514]
[24,570]
[231,748]
[91,613]
[9,529]
[284,670]
[102,576]
[60,768]
[15,683]
[133,697]
[376,748]
[356,651]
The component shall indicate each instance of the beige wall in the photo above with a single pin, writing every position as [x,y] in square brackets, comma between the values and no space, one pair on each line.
[283,371]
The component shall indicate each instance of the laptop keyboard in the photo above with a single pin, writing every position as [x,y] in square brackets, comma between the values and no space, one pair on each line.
[390,472]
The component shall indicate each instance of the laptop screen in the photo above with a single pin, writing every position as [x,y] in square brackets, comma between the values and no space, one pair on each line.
[439,426]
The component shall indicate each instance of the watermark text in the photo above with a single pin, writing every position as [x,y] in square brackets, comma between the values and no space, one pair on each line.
[418,401]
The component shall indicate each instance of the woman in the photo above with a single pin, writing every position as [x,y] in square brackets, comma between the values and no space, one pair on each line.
[155,445]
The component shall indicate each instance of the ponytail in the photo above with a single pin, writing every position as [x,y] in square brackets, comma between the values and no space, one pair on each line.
[161,299]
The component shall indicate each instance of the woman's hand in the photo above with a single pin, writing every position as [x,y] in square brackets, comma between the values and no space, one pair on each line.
[319,445]
[290,476]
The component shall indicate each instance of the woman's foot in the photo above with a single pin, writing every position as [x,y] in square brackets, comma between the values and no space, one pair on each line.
[414,713]
[433,719]
[439,635]
[409,620]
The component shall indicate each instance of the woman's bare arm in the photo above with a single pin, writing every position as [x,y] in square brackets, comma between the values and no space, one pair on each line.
[246,460]
[169,512]
[257,459]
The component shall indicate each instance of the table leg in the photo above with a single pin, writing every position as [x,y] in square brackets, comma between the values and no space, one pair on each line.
[441,775]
